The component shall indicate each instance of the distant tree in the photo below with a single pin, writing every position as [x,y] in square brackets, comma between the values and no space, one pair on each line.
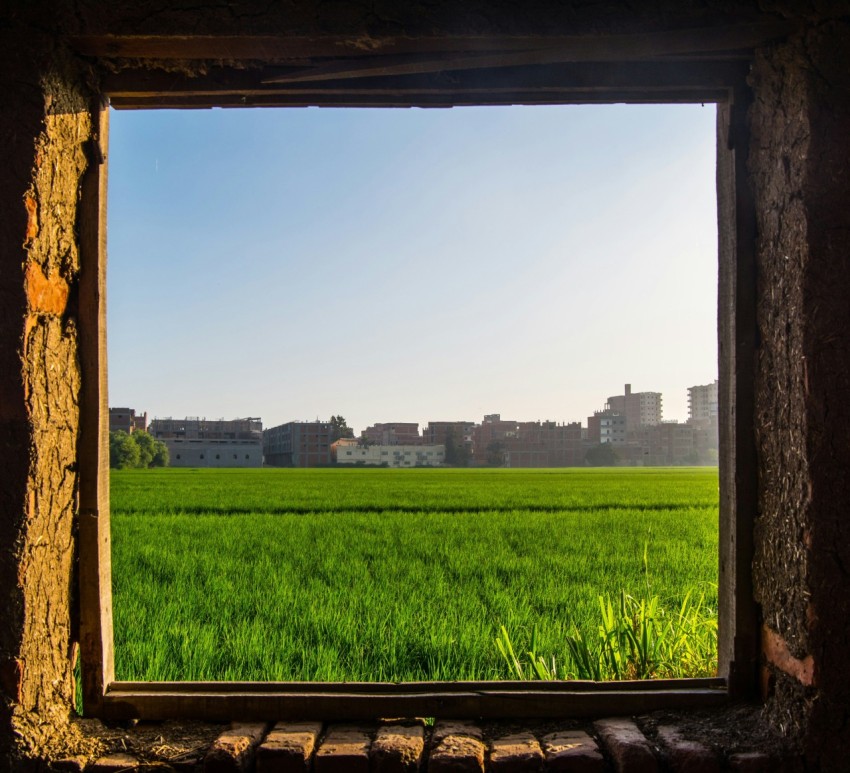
[602,455]
[123,451]
[340,428]
[138,449]
[496,454]
[161,457]
[147,447]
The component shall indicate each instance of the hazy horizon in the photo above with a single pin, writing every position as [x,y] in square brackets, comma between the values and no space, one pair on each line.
[410,265]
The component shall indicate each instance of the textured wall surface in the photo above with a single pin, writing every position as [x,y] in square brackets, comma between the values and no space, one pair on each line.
[44,124]
[800,134]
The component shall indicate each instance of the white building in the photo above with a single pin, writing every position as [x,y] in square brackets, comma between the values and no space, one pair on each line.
[641,409]
[392,456]
[702,401]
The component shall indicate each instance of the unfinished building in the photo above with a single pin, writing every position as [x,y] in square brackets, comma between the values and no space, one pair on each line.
[779,73]
[196,442]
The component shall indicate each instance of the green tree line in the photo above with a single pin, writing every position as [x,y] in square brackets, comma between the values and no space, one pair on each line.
[137,449]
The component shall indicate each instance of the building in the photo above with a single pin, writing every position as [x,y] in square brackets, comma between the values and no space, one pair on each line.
[612,428]
[437,432]
[639,408]
[195,442]
[702,401]
[298,444]
[398,433]
[392,456]
[527,443]
[126,420]
[668,443]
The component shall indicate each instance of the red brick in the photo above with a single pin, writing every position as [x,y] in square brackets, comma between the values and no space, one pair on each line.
[233,751]
[398,749]
[574,751]
[456,747]
[345,749]
[288,748]
[516,753]
[686,756]
[630,751]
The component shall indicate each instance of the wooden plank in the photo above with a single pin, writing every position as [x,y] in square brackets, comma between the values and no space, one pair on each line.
[584,76]
[588,47]
[405,99]
[491,704]
[737,336]
[96,648]
[407,688]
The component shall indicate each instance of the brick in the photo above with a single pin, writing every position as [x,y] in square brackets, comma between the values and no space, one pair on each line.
[629,749]
[288,748]
[574,751]
[516,753]
[686,756]
[345,749]
[456,747]
[398,749]
[233,751]
[120,761]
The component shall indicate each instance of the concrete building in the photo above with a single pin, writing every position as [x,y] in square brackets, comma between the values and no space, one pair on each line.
[639,408]
[527,443]
[196,442]
[612,427]
[298,444]
[126,420]
[393,456]
[702,401]
[436,432]
[398,433]
[668,443]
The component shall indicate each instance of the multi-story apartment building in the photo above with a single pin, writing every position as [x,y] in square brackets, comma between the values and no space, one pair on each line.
[126,420]
[528,443]
[392,456]
[666,443]
[702,401]
[195,442]
[639,408]
[298,444]
[398,433]
[436,432]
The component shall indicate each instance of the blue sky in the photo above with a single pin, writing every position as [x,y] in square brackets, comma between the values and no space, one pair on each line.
[410,265]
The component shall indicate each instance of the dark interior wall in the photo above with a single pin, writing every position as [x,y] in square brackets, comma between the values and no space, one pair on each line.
[44,125]
[801,129]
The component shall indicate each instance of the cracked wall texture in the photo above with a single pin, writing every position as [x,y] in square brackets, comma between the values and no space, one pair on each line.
[44,123]
[800,130]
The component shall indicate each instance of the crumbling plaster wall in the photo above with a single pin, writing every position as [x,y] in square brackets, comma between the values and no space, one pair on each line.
[801,178]
[44,128]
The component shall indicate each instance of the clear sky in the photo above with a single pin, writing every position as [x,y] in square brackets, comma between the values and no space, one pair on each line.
[410,265]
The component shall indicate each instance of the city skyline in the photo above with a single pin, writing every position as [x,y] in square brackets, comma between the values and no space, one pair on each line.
[410,265]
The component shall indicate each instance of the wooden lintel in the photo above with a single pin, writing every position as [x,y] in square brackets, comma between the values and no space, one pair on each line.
[576,82]
[490,704]
[285,47]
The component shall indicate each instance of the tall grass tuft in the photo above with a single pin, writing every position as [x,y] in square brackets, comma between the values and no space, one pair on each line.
[637,638]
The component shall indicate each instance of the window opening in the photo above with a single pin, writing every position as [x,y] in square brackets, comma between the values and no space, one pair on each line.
[623,296]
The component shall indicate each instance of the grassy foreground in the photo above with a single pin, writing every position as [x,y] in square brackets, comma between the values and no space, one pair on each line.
[341,575]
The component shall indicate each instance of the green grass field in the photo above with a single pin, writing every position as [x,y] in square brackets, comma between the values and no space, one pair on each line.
[374,575]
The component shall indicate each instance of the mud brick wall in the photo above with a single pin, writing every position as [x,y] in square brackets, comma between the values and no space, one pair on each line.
[801,178]
[44,127]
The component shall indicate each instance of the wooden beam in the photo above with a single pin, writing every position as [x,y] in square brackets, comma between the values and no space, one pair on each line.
[492,703]
[575,83]
[406,688]
[96,648]
[584,47]
[739,625]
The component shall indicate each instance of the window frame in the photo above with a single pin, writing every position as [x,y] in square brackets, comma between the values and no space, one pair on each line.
[692,81]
